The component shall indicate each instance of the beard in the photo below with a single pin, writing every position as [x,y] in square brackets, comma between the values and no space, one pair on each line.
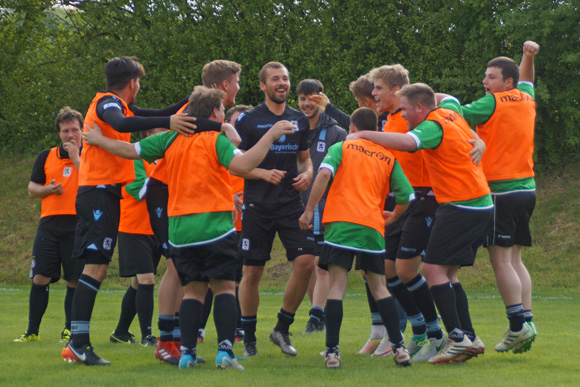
[276,99]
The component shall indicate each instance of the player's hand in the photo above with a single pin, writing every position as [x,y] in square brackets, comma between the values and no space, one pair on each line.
[273,176]
[305,220]
[478,148]
[72,148]
[281,128]
[92,135]
[238,202]
[531,48]
[182,124]
[389,217]
[302,181]
[321,100]
[231,133]
[354,136]
[56,189]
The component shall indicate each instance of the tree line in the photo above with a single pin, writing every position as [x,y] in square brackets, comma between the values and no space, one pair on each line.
[53,53]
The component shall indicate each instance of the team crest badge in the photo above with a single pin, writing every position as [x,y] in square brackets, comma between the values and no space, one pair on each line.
[321,146]
[67,171]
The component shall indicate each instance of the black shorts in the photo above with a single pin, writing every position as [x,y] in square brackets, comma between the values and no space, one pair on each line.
[51,250]
[240,264]
[138,254]
[408,237]
[258,234]
[157,198]
[217,260]
[331,255]
[98,214]
[511,219]
[318,243]
[456,235]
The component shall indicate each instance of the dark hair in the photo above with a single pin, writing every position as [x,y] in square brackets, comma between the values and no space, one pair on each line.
[362,87]
[235,109]
[120,70]
[309,86]
[217,71]
[267,66]
[364,119]
[67,114]
[418,93]
[203,100]
[509,68]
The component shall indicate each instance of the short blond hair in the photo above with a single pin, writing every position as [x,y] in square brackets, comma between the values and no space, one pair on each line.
[391,75]
[217,71]
[418,93]
[203,100]
[362,87]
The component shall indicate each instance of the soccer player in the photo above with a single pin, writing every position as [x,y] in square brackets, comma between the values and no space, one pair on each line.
[406,239]
[101,177]
[271,207]
[505,119]
[465,211]
[139,255]
[324,132]
[201,233]
[224,75]
[54,180]
[363,174]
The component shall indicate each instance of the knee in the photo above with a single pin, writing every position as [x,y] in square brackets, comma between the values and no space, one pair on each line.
[304,264]
[72,283]
[41,280]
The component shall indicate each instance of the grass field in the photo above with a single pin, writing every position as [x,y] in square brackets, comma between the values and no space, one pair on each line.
[552,361]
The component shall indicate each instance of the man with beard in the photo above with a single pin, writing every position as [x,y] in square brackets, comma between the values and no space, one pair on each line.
[324,132]
[271,207]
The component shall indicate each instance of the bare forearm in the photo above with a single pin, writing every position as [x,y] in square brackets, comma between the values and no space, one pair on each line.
[121,149]
[38,191]
[318,188]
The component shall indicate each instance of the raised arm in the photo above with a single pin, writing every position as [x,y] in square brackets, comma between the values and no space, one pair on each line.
[527,72]
[395,141]
[123,149]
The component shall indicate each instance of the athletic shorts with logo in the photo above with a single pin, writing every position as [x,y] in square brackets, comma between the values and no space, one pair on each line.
[258,234]
[217,260]
[456,235]
[52,248]
[98,213]
[511,219]
[157,198]
[332,255]
[138,254]
[407,237]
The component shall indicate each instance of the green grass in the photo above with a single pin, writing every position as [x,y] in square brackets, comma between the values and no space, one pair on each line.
[552,360]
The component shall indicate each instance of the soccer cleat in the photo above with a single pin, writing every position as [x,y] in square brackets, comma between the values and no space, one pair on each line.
[515,340]
[67,355]
[239,335]
[188,360]
[223,360]
[402,357]
[27,337]
[416,343]
[250,349]
[313,326]
[149,341]
[85,355]
[452,350]
[167,351]
[127,338]
[477,348]
[430,349]
[384,349]
[65,336]
[332,360]
[370,346]
[521,348]
[282,340]
[200,335]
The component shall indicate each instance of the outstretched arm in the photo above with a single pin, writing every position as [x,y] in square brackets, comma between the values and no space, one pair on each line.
[396,141]
[123,149]
[527,72]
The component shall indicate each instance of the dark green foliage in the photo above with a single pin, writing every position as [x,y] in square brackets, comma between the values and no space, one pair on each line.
[54,51]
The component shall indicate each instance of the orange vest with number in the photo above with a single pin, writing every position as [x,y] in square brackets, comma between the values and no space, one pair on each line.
[360,186]
[198,183]
[412,164]
[454,177]
[509,136]
[134,214]
[97,165]
[63,171]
